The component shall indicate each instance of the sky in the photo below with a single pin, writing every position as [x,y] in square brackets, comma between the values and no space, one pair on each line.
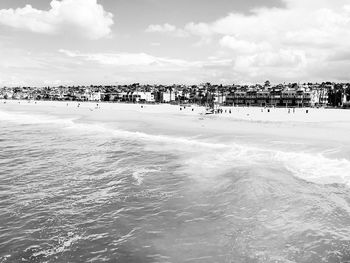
[109,42]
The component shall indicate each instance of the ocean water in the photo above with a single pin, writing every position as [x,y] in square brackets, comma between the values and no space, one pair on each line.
[82,192]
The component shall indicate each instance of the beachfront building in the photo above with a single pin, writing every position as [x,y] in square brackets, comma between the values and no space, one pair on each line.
[220,99]
[275,97]
[323,97]
[230,99]
[87,95]
[300,99]
[251,98]
[335,97]
[309,99]
[288,97]
[136,97]
[110,96]
[94,96]
[239,98]
[183,96]
[168,96]
[283,95]
[346,99]
[165,96]
[145,96]
[263,98]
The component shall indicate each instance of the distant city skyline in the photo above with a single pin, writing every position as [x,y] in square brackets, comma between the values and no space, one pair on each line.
[82,42]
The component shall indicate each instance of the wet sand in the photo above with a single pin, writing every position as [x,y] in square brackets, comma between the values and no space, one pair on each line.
[317,125]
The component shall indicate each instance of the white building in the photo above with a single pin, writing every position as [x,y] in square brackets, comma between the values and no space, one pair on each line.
[94,96]
[167,96]
[145,96]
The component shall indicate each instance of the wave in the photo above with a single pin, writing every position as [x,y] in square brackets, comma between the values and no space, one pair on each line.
[205,158]
[139,174]
[25,118]
[64,244]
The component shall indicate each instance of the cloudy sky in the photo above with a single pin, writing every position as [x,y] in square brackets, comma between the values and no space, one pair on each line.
[44,42]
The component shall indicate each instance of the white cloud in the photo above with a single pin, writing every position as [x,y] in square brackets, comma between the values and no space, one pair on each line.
[166,28]
[161,28]
[285,43]
[138,60]
[264,23]
[83,17]
[146,62]
[278,59]
[243,46]
[200,29]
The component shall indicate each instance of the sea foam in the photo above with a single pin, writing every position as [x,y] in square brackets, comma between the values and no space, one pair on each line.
[207,157]
[25,118]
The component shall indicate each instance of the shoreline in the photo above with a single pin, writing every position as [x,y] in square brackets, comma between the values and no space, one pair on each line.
[251,113]
[187,131]
[317,125]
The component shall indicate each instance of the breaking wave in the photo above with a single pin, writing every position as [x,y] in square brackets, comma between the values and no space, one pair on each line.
[206,157]
[24,118]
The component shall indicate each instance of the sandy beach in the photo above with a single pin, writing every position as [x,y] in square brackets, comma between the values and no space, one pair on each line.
[305,123]
[264,114]
[314,132]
